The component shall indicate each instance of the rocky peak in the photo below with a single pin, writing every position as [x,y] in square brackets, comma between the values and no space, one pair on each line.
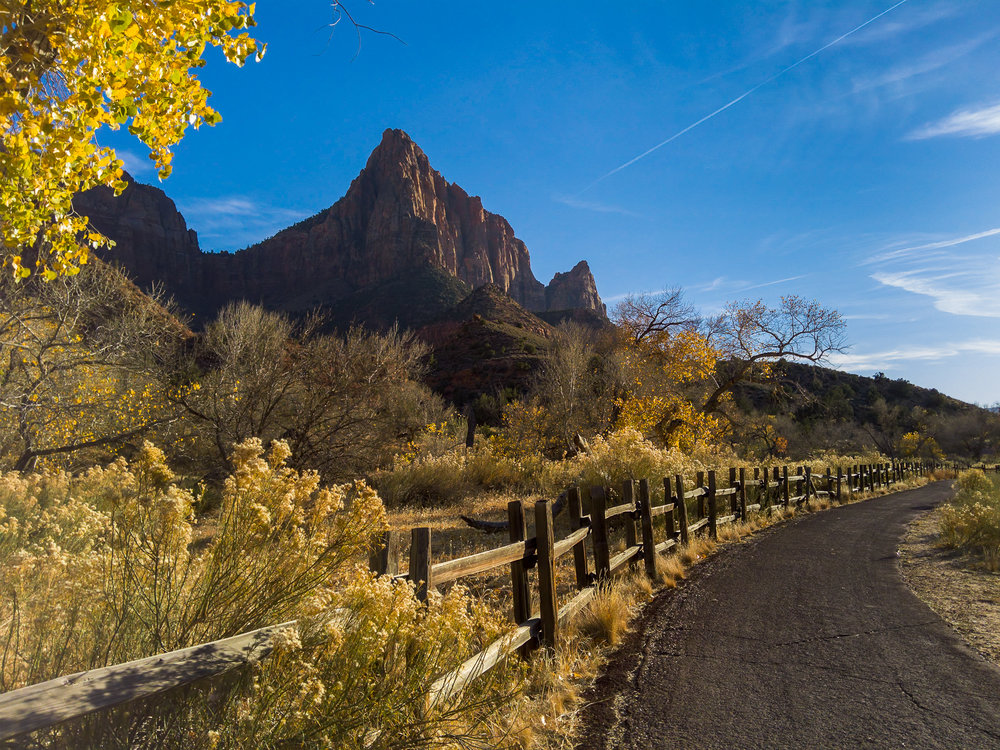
[575,289]
[398,216]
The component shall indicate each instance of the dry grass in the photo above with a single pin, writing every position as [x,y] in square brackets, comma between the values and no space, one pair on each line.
[670,570]
[606,619]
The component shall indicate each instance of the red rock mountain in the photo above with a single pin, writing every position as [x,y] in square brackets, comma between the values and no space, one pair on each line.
[398,219]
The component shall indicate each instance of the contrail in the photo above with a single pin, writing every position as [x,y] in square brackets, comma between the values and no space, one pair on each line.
[741,97]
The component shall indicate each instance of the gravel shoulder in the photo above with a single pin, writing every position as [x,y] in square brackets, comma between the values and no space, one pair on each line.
[967,597]
[804,636]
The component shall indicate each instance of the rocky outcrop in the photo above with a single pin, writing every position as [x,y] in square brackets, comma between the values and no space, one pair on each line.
[576,289]
[399,215]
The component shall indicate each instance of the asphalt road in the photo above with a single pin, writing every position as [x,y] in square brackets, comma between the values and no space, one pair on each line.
[803,637]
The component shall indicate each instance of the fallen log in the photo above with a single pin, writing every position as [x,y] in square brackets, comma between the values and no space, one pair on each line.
[495,527]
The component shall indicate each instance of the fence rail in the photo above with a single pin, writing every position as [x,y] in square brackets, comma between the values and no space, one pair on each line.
[62,699]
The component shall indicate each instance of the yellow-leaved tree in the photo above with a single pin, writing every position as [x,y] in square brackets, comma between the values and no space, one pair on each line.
[69,68]
[685,367]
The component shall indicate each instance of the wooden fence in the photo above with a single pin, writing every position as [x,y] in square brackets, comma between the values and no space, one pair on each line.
[685,511]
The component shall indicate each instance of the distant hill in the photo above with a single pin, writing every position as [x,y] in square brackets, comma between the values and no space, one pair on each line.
[484,345]
[817,408]
[812,392]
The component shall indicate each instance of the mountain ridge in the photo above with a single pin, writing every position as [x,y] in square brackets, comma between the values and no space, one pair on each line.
[398,216]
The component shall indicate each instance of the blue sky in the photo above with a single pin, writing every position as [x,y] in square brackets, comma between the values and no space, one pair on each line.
[863,175]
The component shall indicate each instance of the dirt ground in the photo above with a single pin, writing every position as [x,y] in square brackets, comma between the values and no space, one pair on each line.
[953,585]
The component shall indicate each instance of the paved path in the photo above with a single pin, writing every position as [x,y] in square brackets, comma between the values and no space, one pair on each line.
[803,637]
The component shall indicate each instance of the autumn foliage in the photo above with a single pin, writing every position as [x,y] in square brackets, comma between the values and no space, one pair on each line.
[70,69]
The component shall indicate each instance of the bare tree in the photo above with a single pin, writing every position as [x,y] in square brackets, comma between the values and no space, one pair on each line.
[77,360]
[749,333]
[644,316]
[342,402]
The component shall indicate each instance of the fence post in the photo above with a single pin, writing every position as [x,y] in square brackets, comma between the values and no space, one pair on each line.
[713,511]
[599,523]
[785,497]
[799,471]
[384,557]
[776,474]
[646,517]
[420,561]
[628,495]
[702,504]
[734,501]
[840,481]
[548,606]
[518,530]
[579,550]
[743,494]
[682,511]
[668,497]
[807,472]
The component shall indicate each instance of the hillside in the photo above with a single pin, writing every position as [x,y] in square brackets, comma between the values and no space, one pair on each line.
[485,345]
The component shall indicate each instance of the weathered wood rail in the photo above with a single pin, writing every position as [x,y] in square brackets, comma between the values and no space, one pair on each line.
[685,511]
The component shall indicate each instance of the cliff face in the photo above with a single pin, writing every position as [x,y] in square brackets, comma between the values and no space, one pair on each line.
[399,215]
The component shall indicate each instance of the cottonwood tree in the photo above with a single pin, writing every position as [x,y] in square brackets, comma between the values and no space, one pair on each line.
[686,367]
[69,69]
[973,433]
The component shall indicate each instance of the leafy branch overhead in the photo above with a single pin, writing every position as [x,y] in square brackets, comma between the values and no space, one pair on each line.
[69,69]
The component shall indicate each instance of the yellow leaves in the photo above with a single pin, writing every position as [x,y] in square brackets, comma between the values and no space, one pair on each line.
[115,63]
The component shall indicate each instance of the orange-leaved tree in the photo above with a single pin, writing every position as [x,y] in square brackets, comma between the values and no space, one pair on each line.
[70,68]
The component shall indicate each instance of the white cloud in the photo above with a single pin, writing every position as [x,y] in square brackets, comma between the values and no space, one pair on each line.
[965,123]
[896,254]
[134,164]
[585,205]
[913,20]
[903,73]
[719,284]
[234,222]
[959,293]
[895,359]
[962,281]
[772,283]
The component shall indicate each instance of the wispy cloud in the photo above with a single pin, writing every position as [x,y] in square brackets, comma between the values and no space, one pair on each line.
[900,75]
[744,95]
[964,123]
[719,284]
[234,222]
[134,164]
[938,245]
[893,359]
[959,293]
[772,283]
[960,279]
[916,19]
[585,205]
